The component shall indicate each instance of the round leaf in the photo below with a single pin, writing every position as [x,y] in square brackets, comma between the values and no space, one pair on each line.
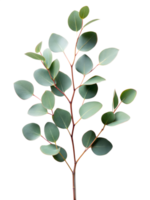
[35,56]
[24,89]
[128,96]
[84,64]
[101,146]
[93,80]
[89,109]
[61,156]
[87,41]
[84,12]
[90,22]
[107,56]
[108,117]
[51,132]
[38,47]
[88,91]
[48,57]
[57,43]
[31,131]
[63,83]
[50,149]
[62,118]
[43,78]
[74,21]
[37,110]
[54,68]
[115,100]
[88,138]
[48,100]
[120,117]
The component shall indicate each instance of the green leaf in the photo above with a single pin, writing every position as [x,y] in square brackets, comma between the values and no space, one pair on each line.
[63,83]
[114,99]
[88,91]
[61,156]
[120,117]
[101,146]
[84,64]
[107,56]
[24,89]
[35,56]
[38,47]
[48,57]
[57,43]
[89,109]
[84,12]
[87,41]
[94,80]
[128,96]
[62,118]
[37,110]
[31,131]
[54,68]
[43,78]
[88,138]
[51,132]
[91,21]
[108,118]
[74,21]
[50,149]
[48,100]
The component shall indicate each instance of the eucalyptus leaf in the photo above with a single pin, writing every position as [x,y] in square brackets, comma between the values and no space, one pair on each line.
[101,146]
[107,56]
[108,118]
[89,109]
[48,57]
[87,41]
[128,96]
[57,43]
[94,80]
[38,47]
[43,78]
[31,131]
[24,89]
[88,138]
[84,12]
[61,157]
[35,56]
[54,68]
[114,99]
[74,21]
[51,132]
[37,110]
[84,64]
[120,117]
[91,21]
[62,118]
[50,149]
[63,82]
[48,100]
[88,91]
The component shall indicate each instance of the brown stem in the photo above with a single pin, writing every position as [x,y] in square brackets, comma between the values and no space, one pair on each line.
[117,107]
[74,173]
[67,58]
[81,82]
[94,68]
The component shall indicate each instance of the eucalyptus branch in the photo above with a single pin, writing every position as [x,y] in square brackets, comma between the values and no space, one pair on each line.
[59,82]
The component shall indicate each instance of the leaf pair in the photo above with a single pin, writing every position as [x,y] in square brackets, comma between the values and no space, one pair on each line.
[89,88]
[100,147]
[32,131]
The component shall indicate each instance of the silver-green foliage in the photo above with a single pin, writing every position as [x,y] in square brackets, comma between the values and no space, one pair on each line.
[57,85]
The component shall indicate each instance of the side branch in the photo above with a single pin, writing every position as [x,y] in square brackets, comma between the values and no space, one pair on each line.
[84,151]
[55,83]
[66,57]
